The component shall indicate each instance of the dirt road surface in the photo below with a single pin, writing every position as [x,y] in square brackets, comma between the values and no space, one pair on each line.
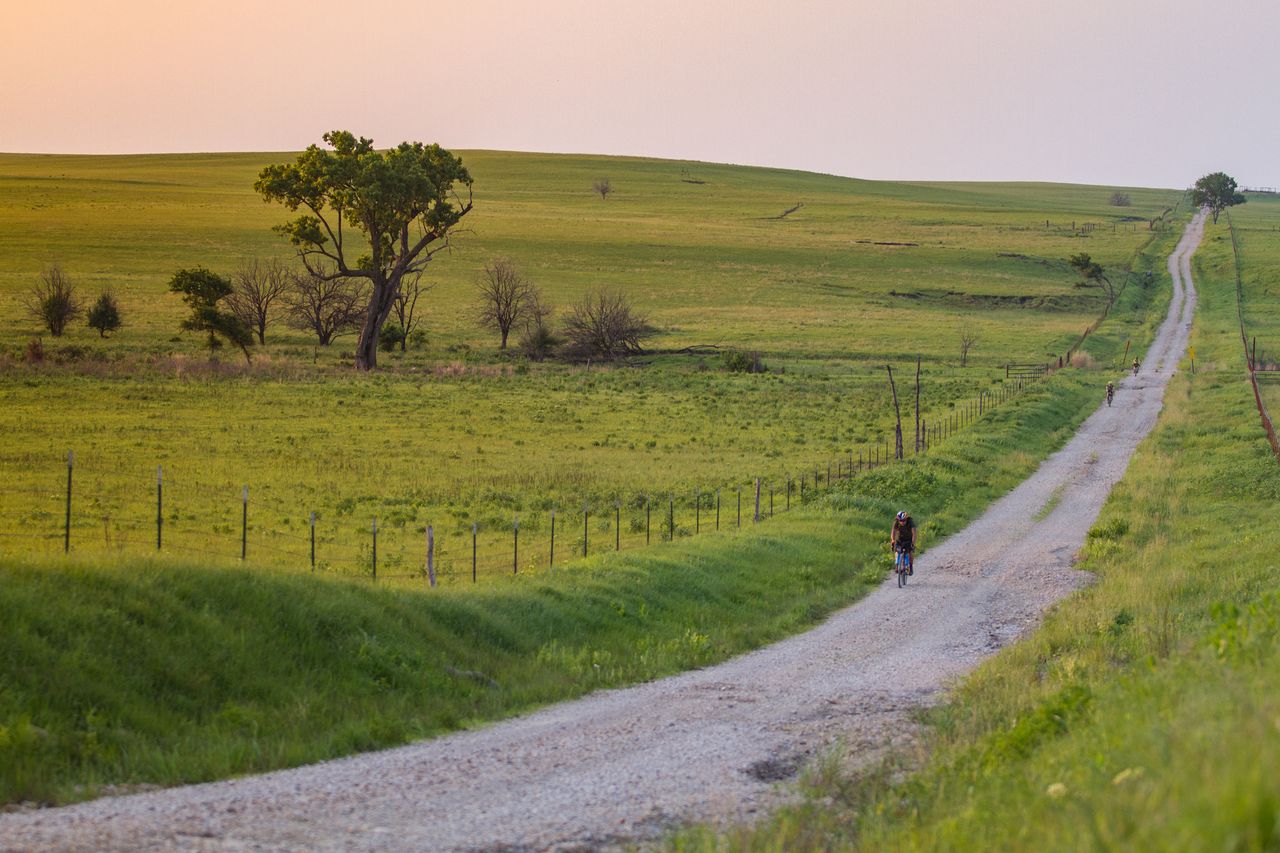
[626,765]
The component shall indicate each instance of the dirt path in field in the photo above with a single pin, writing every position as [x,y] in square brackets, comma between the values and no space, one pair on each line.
[625,765]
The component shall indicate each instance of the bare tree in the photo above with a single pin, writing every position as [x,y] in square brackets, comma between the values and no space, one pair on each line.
[256,286]
[327,307]
[53,300]
[1119,199]
[968,337]
[507,299]
[603,186]
[604,325]
[406,305]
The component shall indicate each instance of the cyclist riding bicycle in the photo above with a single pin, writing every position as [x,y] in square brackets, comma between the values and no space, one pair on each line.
[1111,392]
[903,538]
[1136,365]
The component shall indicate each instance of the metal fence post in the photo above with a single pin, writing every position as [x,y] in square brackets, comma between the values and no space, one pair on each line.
[66,537]
[159,503]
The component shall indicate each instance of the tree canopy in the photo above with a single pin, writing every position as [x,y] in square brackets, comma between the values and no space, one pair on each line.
[1216,191]
[403,202]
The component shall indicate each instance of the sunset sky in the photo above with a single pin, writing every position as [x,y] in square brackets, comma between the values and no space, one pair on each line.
[1130,92]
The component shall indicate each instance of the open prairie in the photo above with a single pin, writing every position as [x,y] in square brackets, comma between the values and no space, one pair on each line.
[858,275]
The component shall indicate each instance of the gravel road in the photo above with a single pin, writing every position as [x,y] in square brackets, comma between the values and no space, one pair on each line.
[626,765]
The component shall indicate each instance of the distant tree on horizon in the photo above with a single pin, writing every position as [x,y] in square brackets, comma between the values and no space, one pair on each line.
[603,186]
[1216,191]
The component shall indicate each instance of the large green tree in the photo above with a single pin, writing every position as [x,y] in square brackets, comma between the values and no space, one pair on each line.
[1216,191]
[404,202]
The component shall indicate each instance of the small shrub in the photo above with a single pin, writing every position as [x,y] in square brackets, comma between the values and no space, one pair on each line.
[538,341]
[418,339]
[736,361]
[390,337]
[53,301]
[35,351]
[105,314]
[1119,199]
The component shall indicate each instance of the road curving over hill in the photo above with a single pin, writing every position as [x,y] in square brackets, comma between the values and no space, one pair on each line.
[625,765]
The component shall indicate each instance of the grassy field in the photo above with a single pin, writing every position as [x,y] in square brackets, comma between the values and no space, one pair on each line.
[1257,226]
[451,435]
[1143,715]
[125,672]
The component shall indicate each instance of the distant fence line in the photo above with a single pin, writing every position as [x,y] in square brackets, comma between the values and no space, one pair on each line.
[1251,355]
[532,541]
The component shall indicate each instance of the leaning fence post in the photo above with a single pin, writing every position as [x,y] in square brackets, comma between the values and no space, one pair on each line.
[431,555]
[617,525]
[552,561]
[244,523]
[648,507]
[66,537]
[756,517]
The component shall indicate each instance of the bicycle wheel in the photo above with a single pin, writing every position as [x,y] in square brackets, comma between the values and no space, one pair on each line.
[900,568]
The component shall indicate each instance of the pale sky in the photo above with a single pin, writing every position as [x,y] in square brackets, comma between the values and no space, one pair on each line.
[1122,92]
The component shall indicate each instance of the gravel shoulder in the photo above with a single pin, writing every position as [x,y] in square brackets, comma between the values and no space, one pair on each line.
[625,765]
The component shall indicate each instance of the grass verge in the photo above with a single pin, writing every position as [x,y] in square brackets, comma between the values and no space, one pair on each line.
[131,672]
[1144,714]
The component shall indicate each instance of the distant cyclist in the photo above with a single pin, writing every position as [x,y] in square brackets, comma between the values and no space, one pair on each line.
[903,538]
[1111,392]
[1136,365]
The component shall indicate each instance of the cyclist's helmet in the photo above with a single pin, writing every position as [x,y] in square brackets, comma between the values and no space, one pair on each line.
[902,514]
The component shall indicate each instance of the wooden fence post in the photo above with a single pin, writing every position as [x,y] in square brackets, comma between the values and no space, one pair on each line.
[474,531]
[756,518]
[375,547]
[515,548]
[244,524]
[431,555]
[159,503]
[313,540]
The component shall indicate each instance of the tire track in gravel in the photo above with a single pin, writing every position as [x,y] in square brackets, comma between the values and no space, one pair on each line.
[626,765]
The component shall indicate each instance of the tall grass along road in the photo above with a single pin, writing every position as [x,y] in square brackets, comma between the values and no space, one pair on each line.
[625,764]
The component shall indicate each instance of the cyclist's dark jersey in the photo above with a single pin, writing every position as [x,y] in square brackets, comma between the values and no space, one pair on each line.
[905,530]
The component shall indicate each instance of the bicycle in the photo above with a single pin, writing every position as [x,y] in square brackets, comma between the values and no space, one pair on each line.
[902,565]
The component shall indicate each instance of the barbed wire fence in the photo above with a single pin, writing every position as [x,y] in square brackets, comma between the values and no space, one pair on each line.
[80,512]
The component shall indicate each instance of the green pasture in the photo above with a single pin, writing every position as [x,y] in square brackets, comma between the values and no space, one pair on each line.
[1143,715]
[708,262]
[451,435]
[1257,232]
[125,671]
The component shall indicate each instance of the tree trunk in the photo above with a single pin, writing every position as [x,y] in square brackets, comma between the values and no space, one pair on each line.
[381,301]
[505,331]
